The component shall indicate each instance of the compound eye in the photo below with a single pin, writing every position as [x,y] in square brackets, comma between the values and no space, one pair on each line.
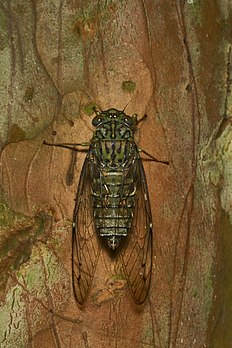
[97,120]
[128,120]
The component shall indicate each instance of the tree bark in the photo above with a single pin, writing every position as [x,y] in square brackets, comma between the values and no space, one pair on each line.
[170,60]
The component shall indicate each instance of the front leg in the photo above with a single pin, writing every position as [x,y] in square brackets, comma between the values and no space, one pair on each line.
[69,146]
[152,158]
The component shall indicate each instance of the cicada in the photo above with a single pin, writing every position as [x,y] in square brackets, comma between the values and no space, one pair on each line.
[112,206]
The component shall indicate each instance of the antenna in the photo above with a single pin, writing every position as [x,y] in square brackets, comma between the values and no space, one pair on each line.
[127,104]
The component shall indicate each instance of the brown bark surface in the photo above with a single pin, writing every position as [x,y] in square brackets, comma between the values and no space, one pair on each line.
[170,60]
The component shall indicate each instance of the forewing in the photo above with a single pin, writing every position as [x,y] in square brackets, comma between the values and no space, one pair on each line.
[85,246]
[137,253]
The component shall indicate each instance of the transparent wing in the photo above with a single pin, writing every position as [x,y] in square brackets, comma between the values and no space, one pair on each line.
[85,246]
[137,254]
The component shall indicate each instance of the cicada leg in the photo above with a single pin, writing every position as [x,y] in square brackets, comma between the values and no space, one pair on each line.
[152,158]
[141,119]
[70,146]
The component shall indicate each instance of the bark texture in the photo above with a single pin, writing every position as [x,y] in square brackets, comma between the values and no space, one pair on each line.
[171,60]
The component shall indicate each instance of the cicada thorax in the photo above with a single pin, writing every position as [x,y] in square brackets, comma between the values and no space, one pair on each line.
[113,153]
